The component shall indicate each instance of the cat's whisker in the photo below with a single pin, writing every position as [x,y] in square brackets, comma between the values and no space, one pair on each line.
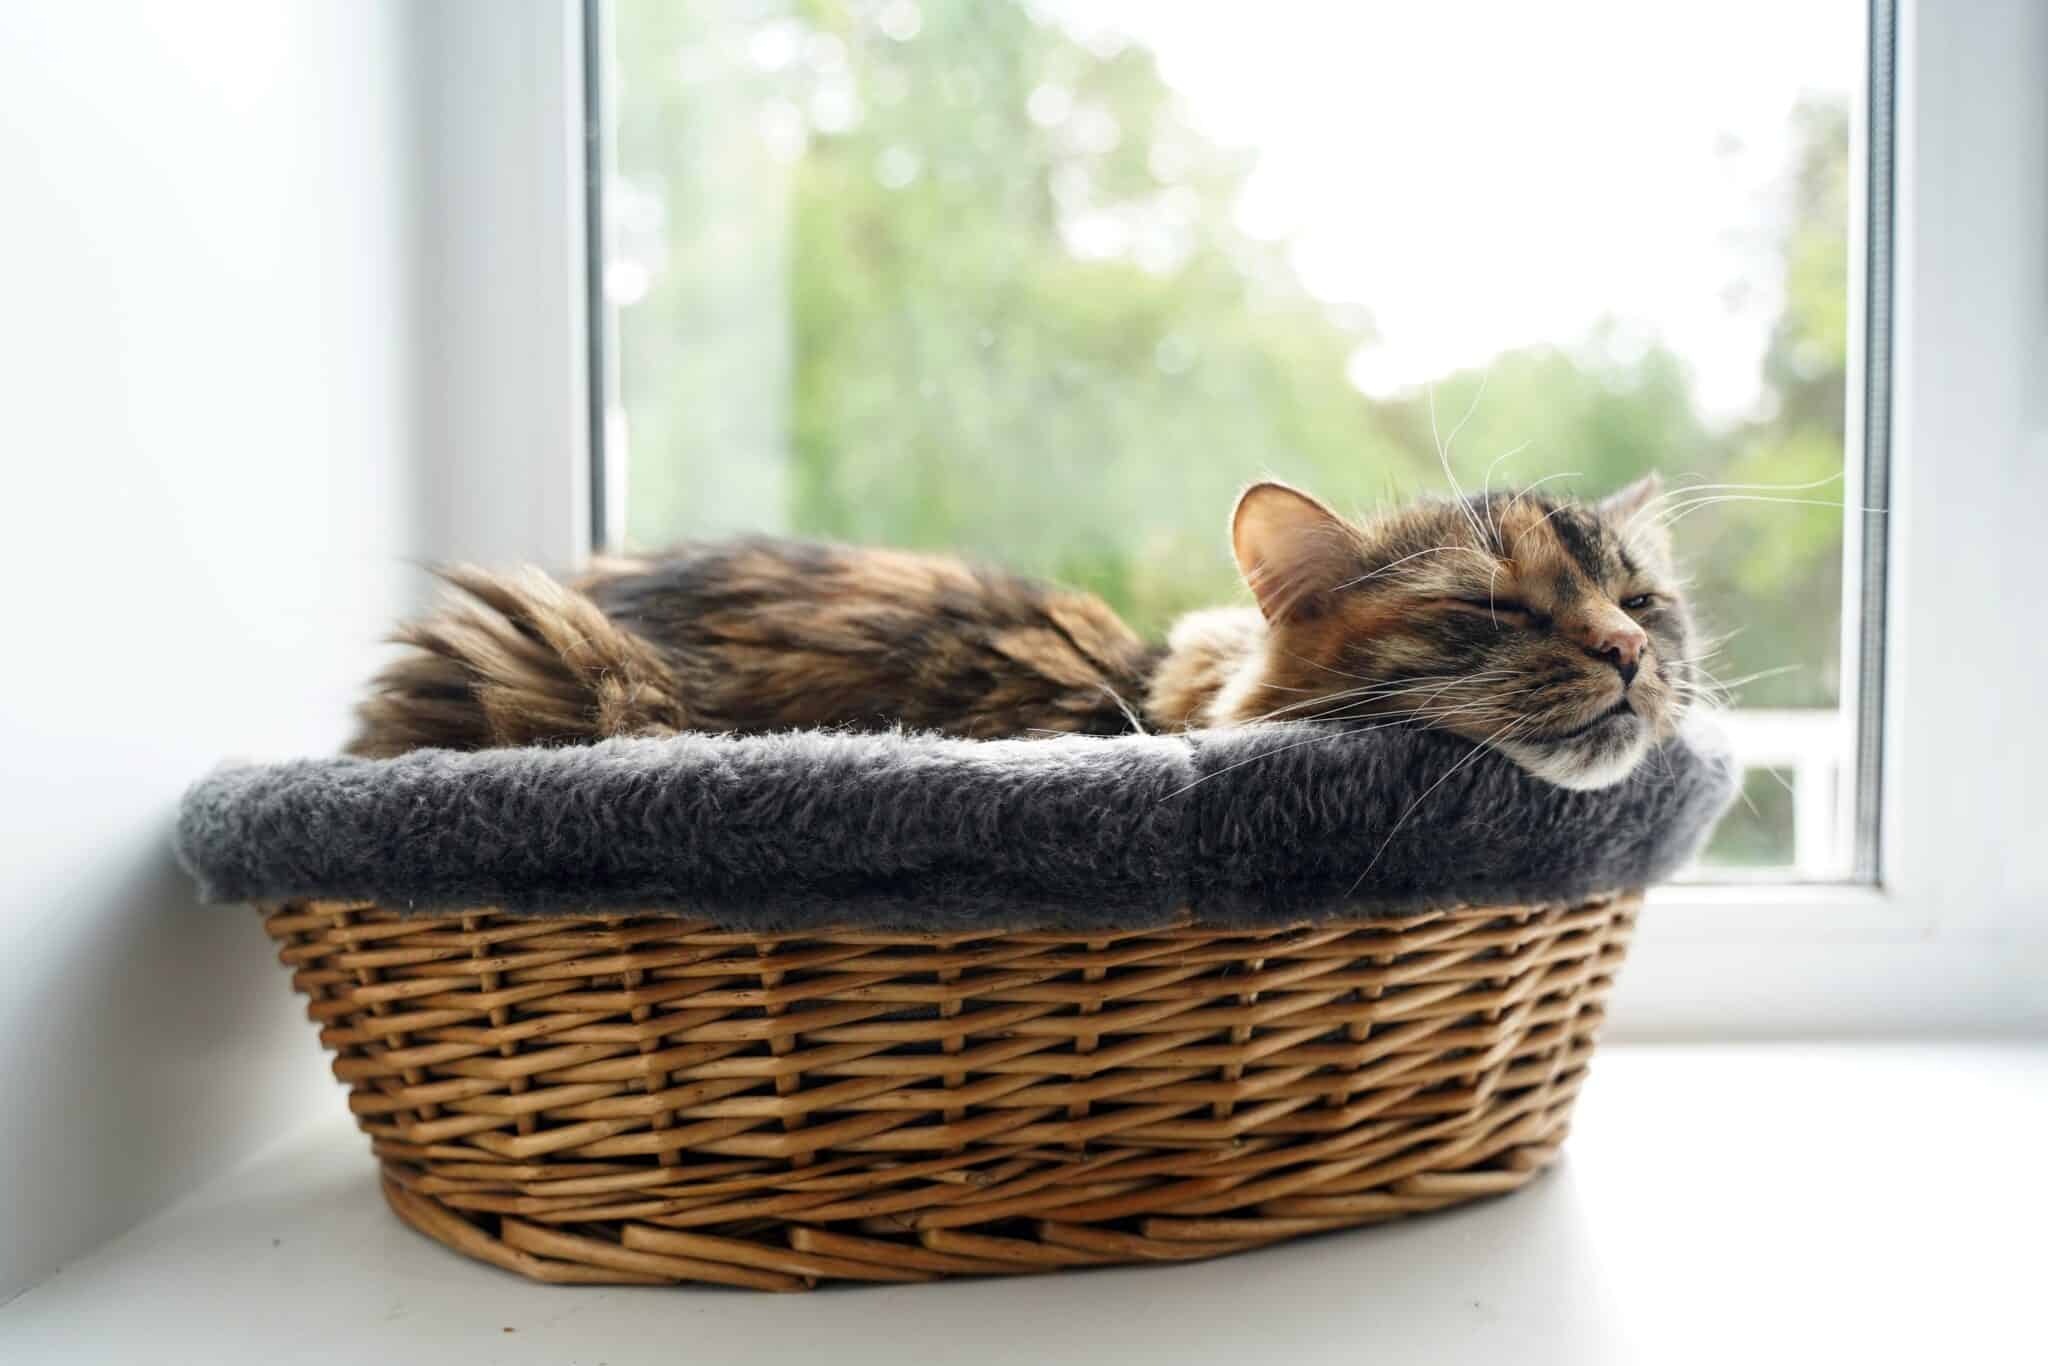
[1349,697]
[1443,455]
[1725,683]
[1433,550]
[1265,754]
[1345,734]
[1486,486]
[1477,749]
[1354,705]
[1434,687]
[1423,720]
[1451,441]
[1528,489]
[1524,535]
[1718,692]
[1430,699]
[1402,688]
[1779,779]
[1678,512]
[1362,678]
[1493,702]
[1742,794]
[1449,718]
[1130,713]
[1709,647]
[1662,757]
[1683,491]
[1385,721]
[1411,681]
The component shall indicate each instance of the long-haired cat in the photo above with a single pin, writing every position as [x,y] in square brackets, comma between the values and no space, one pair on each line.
[1552,630]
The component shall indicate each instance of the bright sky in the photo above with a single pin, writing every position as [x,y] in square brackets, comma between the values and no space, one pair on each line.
[1487,175]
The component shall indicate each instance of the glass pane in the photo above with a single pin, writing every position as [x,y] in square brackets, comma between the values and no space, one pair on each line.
[1048,282]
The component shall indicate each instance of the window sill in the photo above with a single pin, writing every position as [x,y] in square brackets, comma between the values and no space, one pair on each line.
[1714,1203]
[1809,911]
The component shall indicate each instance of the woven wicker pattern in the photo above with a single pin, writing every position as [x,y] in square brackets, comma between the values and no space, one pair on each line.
[647,1099]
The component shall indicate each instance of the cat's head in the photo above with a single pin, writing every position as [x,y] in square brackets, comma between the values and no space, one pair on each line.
[1552,630]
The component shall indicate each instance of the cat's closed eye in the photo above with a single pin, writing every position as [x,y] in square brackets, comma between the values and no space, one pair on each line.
[1638,602]
[1506,607]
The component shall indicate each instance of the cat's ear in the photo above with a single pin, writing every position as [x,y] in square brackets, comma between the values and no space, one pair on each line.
[1624,503]
[1290,549]
[1628,510]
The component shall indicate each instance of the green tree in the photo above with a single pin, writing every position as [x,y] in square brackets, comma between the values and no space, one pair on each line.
[1774,569]
[965,370]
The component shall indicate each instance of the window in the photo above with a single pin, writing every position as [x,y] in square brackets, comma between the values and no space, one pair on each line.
[1046,282]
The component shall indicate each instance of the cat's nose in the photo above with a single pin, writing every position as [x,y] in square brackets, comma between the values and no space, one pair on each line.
[1620,643]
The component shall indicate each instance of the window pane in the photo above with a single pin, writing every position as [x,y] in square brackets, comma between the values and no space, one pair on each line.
[1046,283]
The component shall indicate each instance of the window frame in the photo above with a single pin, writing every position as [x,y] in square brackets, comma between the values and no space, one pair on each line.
[1873,160]
[1939,242]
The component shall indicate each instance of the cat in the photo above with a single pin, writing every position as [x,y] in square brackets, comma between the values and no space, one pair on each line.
[1551,630]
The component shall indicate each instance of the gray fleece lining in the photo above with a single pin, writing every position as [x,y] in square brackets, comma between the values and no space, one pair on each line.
[1265,825]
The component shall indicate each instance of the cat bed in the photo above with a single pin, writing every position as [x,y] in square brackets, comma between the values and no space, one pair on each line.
[773,1010]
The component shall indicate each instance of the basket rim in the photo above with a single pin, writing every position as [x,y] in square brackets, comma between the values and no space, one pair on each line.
[1269,825]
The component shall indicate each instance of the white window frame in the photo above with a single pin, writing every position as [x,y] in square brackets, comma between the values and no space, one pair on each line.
[505,340]
[1954,932]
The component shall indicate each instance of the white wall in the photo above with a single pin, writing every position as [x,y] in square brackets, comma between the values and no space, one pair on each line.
[207,423]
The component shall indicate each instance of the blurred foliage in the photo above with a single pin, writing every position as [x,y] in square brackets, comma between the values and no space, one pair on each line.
[1757,831]
[945,276]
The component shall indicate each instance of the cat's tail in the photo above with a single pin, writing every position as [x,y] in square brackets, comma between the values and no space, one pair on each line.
[516,659]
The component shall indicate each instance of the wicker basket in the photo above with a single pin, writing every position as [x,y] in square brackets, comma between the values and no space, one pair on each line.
[645,1099]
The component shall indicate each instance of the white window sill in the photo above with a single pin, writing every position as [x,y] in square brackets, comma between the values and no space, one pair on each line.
[1717,1203]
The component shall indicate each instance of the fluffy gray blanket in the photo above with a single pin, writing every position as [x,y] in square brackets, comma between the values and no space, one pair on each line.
[1267,825]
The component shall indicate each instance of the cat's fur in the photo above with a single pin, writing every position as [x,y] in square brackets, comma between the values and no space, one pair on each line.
[1499,618]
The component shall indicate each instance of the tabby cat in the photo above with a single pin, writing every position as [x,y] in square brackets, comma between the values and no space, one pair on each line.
[1552,630]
